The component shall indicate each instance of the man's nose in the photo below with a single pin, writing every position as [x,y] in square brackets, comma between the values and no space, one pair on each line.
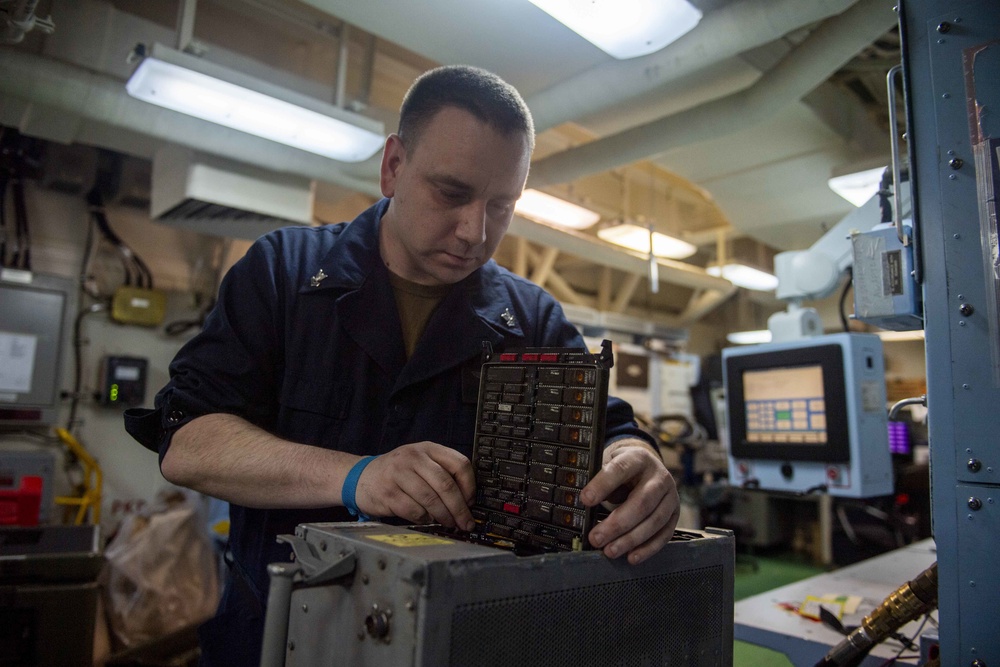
[472,225]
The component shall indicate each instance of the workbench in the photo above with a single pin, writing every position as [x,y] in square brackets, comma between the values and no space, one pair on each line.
[763,620]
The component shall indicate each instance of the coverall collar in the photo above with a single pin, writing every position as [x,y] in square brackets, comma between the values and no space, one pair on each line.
[367,306]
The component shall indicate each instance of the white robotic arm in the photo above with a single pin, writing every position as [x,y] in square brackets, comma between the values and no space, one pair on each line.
[816,273]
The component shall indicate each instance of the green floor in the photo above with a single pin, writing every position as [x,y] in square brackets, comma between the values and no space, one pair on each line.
[771,572]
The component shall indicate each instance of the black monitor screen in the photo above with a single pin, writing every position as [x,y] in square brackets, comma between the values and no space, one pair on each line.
[788,404]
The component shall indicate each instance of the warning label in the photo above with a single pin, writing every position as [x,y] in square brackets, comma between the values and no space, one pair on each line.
[892,273]
[410,539]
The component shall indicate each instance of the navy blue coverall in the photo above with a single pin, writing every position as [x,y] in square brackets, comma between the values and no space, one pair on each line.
[305,342]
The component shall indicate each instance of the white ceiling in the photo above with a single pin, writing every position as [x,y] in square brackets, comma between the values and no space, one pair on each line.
[769,178]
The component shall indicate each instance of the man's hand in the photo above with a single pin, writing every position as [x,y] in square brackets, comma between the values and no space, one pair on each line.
[423,482]
[634,475]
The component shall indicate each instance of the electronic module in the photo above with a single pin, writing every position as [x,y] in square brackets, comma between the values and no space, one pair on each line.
[539,439]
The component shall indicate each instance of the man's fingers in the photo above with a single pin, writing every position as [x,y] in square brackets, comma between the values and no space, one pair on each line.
[615,473]
[420,482]
[439,493]
[425,497]
[651,546]
[453,481]
[460,470]
[633,522]
[643,538]
[647,516]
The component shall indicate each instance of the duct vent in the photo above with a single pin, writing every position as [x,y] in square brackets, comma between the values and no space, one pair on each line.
[212,195]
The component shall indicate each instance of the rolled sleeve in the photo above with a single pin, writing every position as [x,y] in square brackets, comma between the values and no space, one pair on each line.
[232,365]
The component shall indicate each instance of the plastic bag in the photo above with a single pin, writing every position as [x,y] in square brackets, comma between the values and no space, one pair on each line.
[162,572]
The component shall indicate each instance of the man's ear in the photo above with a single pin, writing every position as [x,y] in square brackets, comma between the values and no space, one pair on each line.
[393,156]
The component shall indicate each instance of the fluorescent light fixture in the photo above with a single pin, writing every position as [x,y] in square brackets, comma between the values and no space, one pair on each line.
[755,337]
[542,207]
[742,275]
[858,187]
[625,28]
[193,86]
[637,238]
[900,336]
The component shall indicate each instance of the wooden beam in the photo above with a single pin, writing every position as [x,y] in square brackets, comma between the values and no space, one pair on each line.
[625,293]
[702,303]
[555,283]
[604,288]
[521,257]
[563,291]
[543,268]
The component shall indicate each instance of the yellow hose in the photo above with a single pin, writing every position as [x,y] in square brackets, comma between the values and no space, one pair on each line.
[93,481]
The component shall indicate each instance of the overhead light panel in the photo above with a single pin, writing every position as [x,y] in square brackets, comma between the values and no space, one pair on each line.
[742,275]
[541,207]
[900,336]
[635,237]
[858,187]
[755,337]
[625,28]
[193,86]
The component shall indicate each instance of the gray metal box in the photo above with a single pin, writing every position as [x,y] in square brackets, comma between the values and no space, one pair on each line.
[399,597]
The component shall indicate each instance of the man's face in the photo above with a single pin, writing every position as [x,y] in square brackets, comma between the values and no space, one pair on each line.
[453,196]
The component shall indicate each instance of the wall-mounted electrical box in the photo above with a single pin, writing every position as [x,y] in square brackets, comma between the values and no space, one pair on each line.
[35,315]
[885,291]
[138,305]
[123,381]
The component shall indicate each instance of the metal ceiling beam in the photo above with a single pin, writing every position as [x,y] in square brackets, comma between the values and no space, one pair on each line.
[722,33]
[811,63]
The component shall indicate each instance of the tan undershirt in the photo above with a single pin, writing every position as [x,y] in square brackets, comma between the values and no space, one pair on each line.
[416,303]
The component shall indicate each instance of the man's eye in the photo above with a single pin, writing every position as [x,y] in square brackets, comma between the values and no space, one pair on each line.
[500,209]
[455,196]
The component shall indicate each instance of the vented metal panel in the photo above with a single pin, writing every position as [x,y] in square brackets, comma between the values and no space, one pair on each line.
[598,625]
[411,599]
[211,195]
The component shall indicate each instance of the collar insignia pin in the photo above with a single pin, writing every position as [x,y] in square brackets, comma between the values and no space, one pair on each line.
[508,318]
[317,279]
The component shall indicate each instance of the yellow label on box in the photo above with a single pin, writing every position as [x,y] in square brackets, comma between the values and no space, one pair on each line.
[410,539]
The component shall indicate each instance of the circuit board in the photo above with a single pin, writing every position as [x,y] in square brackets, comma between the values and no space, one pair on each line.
[539,438]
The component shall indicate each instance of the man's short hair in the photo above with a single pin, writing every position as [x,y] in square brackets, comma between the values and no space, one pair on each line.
[483,94]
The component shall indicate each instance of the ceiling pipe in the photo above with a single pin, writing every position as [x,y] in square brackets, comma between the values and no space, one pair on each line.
[186,11]
[343,49]
[102,99]
[19,19]
[809,64]
[722,33]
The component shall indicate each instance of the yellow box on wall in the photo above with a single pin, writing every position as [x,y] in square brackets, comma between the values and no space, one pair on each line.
[138,305]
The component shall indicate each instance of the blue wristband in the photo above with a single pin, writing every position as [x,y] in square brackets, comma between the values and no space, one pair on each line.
[351,488]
